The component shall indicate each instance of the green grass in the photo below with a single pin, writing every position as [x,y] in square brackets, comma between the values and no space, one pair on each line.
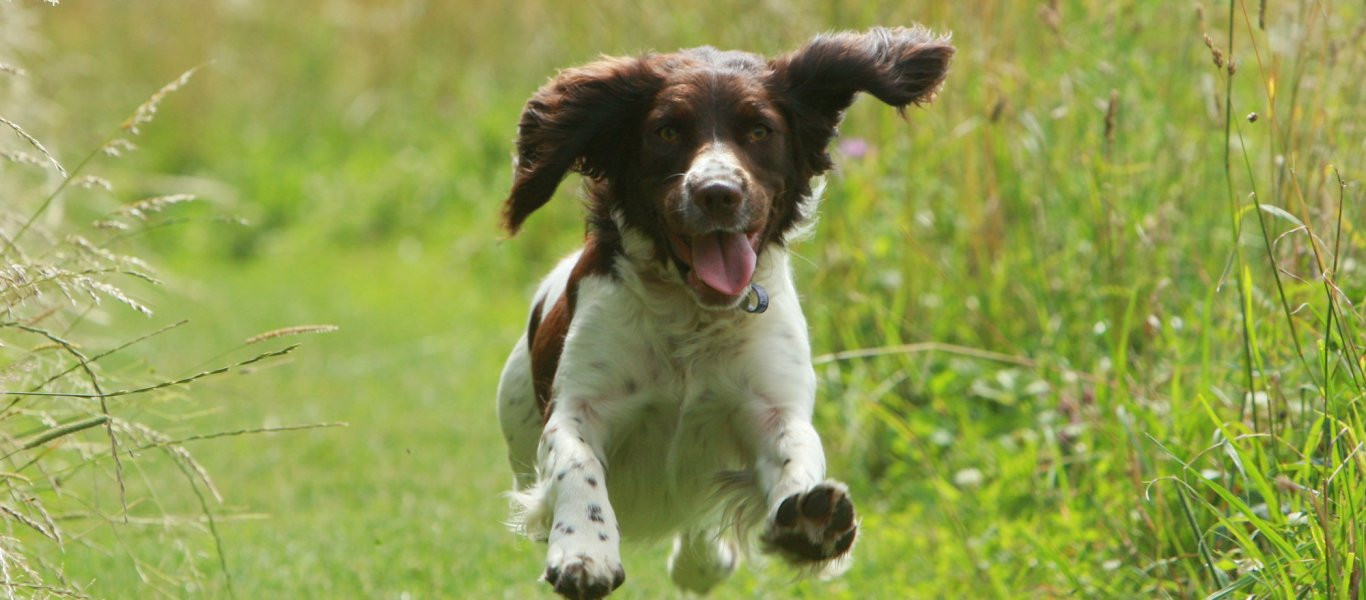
[1095,384]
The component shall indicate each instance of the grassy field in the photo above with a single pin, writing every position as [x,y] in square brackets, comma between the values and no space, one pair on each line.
[1089,325]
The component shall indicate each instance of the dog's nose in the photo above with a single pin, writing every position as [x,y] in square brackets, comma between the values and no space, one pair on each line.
[718,196]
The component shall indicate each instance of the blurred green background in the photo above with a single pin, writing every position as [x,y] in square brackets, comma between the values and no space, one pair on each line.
[1094,383]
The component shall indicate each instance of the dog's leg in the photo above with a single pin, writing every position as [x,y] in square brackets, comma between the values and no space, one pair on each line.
[700,560]
[518,415]
[811,521]
[584,560]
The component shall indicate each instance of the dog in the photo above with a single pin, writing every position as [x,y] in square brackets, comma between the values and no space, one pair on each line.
[664,384]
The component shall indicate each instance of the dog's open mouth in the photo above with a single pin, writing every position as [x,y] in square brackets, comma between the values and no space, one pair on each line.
[721,263]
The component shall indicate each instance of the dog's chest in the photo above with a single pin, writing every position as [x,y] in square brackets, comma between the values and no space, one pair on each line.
[673,424]
[664,459]
[677,392]
[675,395]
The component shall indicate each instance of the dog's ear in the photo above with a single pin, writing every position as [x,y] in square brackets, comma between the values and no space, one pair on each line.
[582,121]
[817,83]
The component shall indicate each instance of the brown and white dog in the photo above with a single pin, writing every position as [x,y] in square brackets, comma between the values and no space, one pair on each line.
[664,384]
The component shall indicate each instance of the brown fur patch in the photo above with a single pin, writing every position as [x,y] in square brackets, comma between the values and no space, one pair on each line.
[546,334]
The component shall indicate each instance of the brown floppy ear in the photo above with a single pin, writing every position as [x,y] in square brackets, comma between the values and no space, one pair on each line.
[582,121]
[900,66]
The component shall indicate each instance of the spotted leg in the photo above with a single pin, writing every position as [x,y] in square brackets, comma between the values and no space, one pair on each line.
[583,560]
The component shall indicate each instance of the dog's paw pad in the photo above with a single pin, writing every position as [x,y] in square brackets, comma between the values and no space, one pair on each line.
[583,578]
[815,526]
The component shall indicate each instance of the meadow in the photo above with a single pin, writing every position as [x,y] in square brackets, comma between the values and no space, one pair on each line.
[1089,325]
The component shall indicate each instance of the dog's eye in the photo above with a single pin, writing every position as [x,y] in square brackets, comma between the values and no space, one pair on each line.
[667,133]
[759,132]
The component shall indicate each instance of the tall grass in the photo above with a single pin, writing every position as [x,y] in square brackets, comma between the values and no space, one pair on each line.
[84,417]
[1086,327]
[1130,397]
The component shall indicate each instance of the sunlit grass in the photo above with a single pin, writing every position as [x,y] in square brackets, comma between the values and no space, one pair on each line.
[1108,368]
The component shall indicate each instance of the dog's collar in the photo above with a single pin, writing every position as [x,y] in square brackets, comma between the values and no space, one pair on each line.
[760,299]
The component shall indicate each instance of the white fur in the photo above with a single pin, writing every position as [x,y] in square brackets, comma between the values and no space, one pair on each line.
[717,162]
[691,420]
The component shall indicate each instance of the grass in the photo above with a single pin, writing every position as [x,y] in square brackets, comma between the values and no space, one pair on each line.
[1111,325]
[78,443]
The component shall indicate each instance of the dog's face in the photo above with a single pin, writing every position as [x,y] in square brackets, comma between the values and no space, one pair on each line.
[710,154]
[713,165]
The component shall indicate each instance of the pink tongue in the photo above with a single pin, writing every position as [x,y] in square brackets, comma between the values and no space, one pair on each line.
[724,261]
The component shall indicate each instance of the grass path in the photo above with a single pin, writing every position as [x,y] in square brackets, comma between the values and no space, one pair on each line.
[405,500]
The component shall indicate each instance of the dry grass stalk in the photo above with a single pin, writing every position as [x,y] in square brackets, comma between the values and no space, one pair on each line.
[104,256]
[51,283]
[1215,53]
[141,209]
[35,143]
[147,110]
[117,146]
[20,284]
[288,331]
[163,384]
[22,158]
[93,181]
[240,432]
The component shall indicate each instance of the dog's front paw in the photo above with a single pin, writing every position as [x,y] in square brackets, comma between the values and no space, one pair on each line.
[814,526]
[582,576]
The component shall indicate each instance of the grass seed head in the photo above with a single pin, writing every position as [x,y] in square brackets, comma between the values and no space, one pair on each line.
[117,146]
[148,110]
[288,331]
[93,181]
[21,158]
[140,209]
[1215,52]
[35,143]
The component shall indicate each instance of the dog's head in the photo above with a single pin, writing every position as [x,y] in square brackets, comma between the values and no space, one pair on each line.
[710,154]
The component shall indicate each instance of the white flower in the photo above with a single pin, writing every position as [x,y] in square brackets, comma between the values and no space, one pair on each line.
[968,478]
